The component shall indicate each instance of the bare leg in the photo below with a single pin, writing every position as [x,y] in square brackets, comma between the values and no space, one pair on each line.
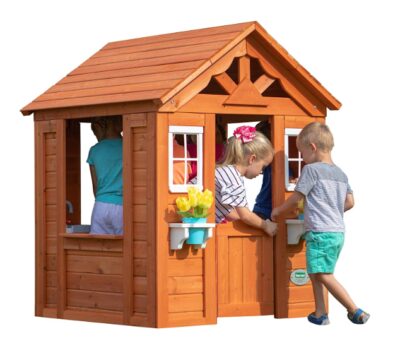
[318,291]
[337,290]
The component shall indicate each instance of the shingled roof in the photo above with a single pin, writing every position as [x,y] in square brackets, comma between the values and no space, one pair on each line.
[156,68]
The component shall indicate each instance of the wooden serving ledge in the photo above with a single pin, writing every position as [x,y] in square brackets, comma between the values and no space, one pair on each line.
[91,236]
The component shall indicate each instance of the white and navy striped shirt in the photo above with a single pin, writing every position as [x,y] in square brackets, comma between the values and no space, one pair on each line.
[229,191]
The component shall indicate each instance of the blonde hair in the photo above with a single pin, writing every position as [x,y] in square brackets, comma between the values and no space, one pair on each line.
[236,151]
[318,134]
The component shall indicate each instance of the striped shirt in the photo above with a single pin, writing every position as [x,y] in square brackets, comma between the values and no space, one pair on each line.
[229,191]
[325,188]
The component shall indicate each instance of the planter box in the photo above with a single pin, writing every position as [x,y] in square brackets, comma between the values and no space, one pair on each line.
[179,233]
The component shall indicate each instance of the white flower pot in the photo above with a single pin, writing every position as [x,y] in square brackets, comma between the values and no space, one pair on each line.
[295,229]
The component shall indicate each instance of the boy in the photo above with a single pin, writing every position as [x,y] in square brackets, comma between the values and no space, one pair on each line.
[327,195]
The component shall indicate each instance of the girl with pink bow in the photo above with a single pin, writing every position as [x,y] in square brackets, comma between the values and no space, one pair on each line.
[247,153]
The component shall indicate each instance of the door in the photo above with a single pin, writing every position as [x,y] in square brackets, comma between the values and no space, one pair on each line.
[245,270]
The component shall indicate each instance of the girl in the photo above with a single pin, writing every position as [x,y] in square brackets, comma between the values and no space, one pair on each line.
[248,152]
[105,161]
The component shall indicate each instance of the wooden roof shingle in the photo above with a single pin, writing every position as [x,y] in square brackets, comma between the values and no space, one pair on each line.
[151,68]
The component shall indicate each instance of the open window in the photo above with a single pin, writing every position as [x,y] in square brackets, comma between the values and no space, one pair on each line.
[185,157]
[79,188]
[293,159]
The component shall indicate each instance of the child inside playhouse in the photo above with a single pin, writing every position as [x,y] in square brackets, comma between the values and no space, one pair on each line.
[327,195]
[105,161]
[248,152]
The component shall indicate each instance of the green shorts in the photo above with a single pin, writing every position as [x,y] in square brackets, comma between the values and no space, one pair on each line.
[322,252]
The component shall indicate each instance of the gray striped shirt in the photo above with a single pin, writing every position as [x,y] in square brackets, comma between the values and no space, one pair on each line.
[325,188]
[229,191]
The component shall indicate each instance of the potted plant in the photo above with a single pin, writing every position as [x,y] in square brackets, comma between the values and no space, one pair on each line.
[194,209]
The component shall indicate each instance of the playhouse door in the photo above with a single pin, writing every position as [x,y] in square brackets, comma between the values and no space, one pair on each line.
[245,270]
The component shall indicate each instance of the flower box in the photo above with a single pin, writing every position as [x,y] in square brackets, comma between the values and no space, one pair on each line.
[179,233]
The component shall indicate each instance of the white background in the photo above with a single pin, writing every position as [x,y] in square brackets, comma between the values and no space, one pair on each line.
[351,47]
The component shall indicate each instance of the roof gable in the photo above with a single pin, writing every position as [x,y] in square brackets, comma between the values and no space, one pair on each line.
[159,67]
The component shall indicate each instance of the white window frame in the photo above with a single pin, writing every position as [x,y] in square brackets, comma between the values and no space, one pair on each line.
[288,133]
[185,130]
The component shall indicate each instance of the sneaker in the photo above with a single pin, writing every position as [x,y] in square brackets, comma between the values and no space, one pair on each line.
[322,320]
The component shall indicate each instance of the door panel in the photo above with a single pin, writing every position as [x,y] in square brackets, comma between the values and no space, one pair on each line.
[245,270]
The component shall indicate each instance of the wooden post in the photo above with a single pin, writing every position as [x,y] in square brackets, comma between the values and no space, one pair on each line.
[61,215]
[278,197]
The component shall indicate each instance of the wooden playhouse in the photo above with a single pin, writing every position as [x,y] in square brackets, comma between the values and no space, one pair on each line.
[173,84]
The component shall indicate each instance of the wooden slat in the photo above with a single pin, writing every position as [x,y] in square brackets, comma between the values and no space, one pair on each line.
[140,286]
[166,52]
[208,103]
[185,285]
[185,303]
[93,244]
[104,99]
[192,34]
[263,82]
[94,282]
[137,72]
[40,220]
[278,197]
[156,61]
[165,44]
[235,258]
[190,267]
[78,112]
[225,81]
[244,68]
[94,315]
[223,271]
[108,90]
[61,215]
[152,228]
[210,273]
[119,81]
[100,264]
[162,246]
[97,300]
[252,270]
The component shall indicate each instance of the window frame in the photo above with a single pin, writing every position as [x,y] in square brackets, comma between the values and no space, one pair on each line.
[290,132]
[185,130]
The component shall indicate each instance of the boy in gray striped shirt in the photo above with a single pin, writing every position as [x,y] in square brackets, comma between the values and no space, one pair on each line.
[327,195]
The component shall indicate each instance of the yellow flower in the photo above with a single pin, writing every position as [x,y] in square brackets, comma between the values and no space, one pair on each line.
[183,204]
[194,195]
[205,199]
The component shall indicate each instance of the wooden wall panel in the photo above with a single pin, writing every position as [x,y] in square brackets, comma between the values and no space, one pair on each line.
[186,287]
[94,278]
[139,199]
[45,216]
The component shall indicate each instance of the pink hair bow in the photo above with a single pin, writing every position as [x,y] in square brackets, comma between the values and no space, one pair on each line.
[245,133]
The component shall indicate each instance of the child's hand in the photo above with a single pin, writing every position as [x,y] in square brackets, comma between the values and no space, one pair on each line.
[270,227]
[274,214]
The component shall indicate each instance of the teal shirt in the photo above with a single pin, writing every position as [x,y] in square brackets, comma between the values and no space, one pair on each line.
[106,157]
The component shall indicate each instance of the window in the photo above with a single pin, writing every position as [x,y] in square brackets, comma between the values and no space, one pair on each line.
[185,158]
[293,160]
